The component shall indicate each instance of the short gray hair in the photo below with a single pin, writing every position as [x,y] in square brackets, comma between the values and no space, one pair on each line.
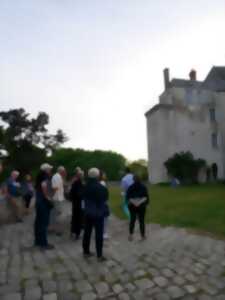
[45,167]
[61,169]
[15,173]
[93,173]
[78,171]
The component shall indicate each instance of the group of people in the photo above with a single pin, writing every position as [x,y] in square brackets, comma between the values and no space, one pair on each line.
[15,190]
[90,208]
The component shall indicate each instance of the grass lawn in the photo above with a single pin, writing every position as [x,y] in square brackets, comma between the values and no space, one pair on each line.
[196,207]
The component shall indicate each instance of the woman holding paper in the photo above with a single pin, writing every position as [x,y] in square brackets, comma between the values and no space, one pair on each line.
[138,199]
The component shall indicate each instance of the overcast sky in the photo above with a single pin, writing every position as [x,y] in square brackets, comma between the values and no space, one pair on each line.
[95,66]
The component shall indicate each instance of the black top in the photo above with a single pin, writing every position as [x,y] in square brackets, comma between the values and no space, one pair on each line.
[43,177]
[138,190]
[77,192]
[96,197]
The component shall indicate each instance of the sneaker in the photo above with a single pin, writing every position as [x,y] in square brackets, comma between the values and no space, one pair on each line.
[105,236]
[59,234]
[48,247]
[72,236]
[88,255]
[19,220]
[102,259]
[75,238]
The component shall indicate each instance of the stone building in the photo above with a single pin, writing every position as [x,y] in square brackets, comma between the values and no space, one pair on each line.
[190,116]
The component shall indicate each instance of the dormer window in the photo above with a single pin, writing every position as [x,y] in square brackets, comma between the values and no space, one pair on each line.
[212,114]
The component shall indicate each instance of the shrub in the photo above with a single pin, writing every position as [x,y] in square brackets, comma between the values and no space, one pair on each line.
[184,166]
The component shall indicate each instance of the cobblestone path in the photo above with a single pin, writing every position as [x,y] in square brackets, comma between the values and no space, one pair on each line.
[170,264]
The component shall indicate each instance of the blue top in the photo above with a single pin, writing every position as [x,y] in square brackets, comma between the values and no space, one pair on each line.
[13,187]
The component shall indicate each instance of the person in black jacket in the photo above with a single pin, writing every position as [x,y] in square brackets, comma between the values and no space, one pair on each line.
[95,199]
[138,199]
[76,196]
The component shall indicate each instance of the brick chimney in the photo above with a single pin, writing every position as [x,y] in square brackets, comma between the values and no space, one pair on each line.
[166,74]
[193,75]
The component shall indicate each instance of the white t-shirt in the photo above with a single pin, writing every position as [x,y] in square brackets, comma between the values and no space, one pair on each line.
[103,183]
[57,183]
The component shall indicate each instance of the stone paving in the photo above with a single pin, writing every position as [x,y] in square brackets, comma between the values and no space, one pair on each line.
[170,264]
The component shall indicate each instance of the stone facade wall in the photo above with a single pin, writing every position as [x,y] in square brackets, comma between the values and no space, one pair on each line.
[185,127]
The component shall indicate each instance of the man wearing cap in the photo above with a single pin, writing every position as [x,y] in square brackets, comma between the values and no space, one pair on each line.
[44,204]
[58,199]
[95,198]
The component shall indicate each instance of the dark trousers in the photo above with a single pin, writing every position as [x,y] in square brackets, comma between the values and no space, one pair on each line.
[137,212]
[98,225]
[77,219]
[27,200]
[41,224]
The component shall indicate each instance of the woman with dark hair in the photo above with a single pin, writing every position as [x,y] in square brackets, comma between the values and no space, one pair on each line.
[76,196]
[138,199]
[43,207]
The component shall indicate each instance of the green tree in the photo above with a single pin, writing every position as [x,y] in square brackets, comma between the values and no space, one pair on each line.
[110,162]
[26,139]
[140,168]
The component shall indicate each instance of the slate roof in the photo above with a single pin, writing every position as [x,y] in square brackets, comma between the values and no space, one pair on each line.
[157,107]
[184,83]
[215,80]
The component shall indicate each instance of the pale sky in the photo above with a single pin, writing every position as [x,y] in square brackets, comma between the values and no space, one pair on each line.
[95,66]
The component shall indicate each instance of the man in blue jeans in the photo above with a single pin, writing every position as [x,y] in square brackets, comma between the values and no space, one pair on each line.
[95,199]
[43,207]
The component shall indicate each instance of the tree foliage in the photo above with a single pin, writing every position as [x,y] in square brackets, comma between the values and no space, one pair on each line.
[184,167]
[26,139]
[110,162]
[139,167]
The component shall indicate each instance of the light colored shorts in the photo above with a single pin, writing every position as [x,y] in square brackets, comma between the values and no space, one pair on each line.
[56,213]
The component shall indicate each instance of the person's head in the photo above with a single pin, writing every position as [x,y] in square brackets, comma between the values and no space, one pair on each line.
[62,171]
[127,170]
[137,178]
[103,176]
[28,177]
[93,173]
[79,173]
[15,174]
[46,168]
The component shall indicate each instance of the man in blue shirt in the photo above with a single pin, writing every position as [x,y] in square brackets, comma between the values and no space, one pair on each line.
[13,194]
[126,182]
